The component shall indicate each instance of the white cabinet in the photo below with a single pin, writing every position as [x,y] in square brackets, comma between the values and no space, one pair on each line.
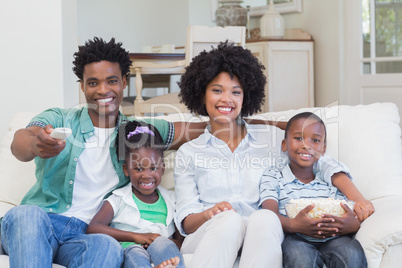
[289,71]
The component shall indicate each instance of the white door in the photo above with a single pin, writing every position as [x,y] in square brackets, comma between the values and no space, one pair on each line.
[372,52]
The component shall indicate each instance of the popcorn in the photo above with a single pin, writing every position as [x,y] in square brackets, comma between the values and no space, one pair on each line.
[322,206]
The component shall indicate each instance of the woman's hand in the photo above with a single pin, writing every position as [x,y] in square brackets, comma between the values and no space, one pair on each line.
[193,221]
[218,208]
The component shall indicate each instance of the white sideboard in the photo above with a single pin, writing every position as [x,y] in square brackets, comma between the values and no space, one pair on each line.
[289,70]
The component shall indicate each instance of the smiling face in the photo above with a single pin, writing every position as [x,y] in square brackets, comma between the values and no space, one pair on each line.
[103,86]
[305,143]
[145,168]
[223,98]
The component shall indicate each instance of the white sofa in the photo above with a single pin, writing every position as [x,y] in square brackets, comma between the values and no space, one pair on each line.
[365,137]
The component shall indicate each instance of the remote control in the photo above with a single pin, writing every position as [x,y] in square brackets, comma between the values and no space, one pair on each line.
[61,133]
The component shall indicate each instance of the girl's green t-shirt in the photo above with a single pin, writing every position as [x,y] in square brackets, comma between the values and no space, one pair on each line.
[156,212]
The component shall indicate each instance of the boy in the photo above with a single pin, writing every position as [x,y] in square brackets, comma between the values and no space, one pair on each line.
[310,242]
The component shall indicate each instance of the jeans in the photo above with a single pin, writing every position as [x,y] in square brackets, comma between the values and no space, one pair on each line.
[342,251]
[33,238]
[161,249]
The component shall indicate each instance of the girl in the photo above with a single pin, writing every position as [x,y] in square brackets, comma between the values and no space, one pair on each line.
[140,215]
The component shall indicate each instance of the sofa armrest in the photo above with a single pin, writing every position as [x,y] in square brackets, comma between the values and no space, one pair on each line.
[382,229]
[4,207]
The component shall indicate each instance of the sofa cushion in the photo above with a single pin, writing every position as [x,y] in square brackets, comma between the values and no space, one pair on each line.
[367,138]
[16,177]
[377,235]
[375,138]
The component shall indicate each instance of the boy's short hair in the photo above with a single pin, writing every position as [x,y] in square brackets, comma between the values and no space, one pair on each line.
[306,115]
[227,57]
[97,50]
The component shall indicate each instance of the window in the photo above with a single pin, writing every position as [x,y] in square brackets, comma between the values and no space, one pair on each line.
[382,36]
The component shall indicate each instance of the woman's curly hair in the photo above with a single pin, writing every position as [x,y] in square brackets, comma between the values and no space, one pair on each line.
[97,50]
[229,58]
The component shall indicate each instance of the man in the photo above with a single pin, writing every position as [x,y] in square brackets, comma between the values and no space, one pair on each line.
[73,176]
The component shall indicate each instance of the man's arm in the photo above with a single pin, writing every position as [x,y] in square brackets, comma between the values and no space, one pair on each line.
[186,131]
[35,141]
[278,124]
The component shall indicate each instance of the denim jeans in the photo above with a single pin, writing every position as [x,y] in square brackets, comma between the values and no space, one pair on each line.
[160,250]
[33,238]
[342,251]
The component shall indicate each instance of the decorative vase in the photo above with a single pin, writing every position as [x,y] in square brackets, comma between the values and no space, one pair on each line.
[231,13]
[271,23]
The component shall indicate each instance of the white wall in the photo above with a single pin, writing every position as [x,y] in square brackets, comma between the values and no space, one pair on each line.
[135,23]
[322,19]
[200,13]
[138,23]
[41,37]
[69,44]
[33,51]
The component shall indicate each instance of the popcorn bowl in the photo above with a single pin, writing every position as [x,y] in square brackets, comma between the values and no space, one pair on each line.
[322,206]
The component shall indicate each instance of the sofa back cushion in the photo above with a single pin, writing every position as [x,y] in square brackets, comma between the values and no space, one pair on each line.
[365,137]
[16,177]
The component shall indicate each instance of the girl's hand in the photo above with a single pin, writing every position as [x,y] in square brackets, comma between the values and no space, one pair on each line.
[145,239]
[363,208]
[218,208]
[347,224]
[304,224]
